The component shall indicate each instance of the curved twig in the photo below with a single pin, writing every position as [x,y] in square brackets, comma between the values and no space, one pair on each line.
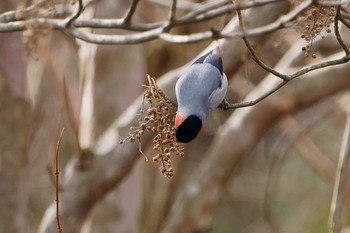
[59,228]
[130,12]
[77,14]
[286,78]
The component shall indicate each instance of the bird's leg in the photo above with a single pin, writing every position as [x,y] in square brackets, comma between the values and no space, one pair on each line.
[224,105]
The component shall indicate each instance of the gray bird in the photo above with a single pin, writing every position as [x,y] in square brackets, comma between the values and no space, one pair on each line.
[199,90]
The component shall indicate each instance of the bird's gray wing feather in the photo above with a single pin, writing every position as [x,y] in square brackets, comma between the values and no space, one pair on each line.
[199,89]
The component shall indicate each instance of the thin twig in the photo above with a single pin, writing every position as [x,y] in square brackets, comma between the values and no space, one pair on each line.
[335,218]
[59,228]
[257,100]
[77,14]
[255,57]
[287,78]
[72,114]
[130,12]
[172,13]
[337,33]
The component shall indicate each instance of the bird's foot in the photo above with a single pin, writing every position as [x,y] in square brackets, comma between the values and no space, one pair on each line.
[224,105]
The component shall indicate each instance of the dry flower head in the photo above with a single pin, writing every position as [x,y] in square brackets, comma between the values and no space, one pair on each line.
[158,119]
[317,22]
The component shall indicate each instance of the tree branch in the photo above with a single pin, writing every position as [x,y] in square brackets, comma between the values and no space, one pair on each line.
[284,77]
[77,14]
[130,12]
[57,186]
[207,12]
[335,218]
[337,33]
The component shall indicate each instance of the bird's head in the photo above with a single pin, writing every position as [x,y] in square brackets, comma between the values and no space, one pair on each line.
[187,127]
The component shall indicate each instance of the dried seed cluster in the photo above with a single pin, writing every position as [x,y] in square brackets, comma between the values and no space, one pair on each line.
[318,20]
[159,119]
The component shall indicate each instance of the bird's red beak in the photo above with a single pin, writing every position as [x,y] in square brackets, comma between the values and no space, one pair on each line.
[179,118]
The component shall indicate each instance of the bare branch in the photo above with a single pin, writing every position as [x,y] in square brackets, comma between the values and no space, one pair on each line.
[77,14]
[182,5]
[337,33]
[59,228]
[192,17]
[22,13]
[116,23]
[335,218]
[172,13]
[130,12]
[255,57]
[343,20]
[287,78]
[332,3]
[204,10]
[257,100]
[115,39]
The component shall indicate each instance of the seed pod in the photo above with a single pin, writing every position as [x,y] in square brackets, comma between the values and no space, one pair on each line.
[148,94]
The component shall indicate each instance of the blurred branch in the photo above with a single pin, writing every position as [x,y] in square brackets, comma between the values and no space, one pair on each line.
[87,64]
[291,128]
[172,14]
[337,33]
[335,218]
[182,5]
[332,3]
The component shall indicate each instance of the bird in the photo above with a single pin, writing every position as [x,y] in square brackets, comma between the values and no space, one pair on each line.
[199,90]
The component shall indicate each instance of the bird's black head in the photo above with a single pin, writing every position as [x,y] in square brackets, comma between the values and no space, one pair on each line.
[188,129]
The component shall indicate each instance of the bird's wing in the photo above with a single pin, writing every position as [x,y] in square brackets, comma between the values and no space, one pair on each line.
[213,58]
[203,86]
[218,94]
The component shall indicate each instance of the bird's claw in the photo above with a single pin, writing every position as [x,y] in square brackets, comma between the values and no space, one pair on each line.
[224,105]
